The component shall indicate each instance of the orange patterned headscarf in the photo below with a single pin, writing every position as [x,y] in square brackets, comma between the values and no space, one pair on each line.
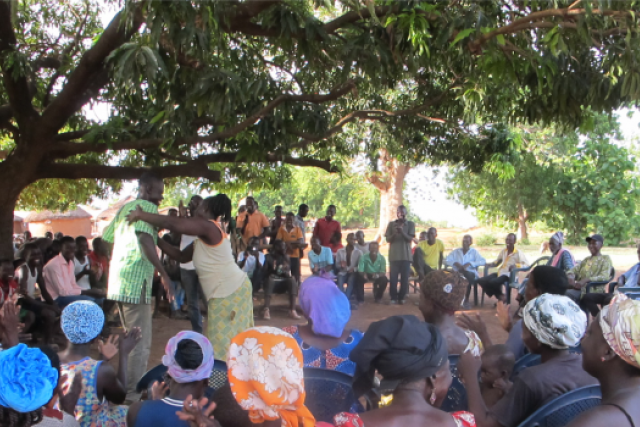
[265,372]
[620,323]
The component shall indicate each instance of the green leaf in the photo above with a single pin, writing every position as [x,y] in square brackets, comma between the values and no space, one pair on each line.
[461,35]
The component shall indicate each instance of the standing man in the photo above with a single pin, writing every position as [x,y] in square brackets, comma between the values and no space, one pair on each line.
[276,223]
[291,235]
[399,234]
[303,211]
[188,275]
[466,261]
[251,223]
[134,258]
[326,228]
[429,254]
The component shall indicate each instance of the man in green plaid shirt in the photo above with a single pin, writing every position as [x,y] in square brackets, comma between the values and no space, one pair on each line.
[133,261]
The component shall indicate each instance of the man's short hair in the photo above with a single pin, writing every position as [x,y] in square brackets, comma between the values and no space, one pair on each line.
[81,239]
[67,239]
[303,206]
[514,236]
[196,197]
[149,178]
[331,206]
[290,214]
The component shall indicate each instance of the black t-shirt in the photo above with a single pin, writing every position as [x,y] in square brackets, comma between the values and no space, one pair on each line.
[537,385]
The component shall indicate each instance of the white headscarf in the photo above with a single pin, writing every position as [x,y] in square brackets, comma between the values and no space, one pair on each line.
[555,320]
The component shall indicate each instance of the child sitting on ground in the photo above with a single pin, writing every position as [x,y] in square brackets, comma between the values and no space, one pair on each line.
[496,369]
[102,388]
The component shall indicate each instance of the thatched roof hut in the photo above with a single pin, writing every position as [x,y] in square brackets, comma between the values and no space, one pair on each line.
[72,223]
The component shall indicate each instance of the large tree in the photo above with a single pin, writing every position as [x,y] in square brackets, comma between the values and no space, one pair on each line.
[201,88]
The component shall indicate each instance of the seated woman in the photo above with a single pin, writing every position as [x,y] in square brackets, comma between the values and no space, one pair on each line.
[560,258]
[265,372]
[553,324]
[611,353]
[277,270]
[225,286]
[442,293]
[102,388]
[189,359]
[324,341]
[412,356]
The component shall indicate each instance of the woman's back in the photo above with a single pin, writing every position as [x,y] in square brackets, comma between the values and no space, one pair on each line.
[217,271]
[160,413]
[334,358]
[90,410]
[400,416]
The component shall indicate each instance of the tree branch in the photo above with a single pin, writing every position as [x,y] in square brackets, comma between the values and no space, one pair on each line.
[69,136]
[66,149]
[90,74]
[526,22]
[193,169]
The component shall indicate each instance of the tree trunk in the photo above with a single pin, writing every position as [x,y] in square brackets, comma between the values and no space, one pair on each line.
[522,222]
[389,181]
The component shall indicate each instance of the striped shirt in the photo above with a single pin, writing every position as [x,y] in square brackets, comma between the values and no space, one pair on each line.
[130,269]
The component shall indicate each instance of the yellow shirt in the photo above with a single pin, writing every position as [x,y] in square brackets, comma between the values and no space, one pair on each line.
[432,252]
[292,236]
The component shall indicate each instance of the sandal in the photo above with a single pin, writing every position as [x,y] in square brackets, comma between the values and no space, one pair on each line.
[266,315]
[294,314]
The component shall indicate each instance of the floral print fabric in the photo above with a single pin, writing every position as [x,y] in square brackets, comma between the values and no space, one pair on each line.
[620,323]
[266,376]
[344,419]
[90,411]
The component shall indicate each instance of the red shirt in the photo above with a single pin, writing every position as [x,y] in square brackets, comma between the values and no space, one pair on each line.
[324,230]
[7,290]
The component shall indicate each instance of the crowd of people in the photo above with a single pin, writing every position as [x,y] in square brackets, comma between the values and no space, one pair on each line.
[56,288]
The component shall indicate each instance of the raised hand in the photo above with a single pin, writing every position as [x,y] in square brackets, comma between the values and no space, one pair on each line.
[502,313]
[475,324]
[134,215]
[130,339]
[196,415]
[182,210]
[10,324]
[109,348]
[159,390]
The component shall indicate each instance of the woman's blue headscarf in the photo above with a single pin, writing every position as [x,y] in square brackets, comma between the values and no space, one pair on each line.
[27,379]
[326,306]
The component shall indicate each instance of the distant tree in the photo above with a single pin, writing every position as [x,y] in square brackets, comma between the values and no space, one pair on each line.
[577,181]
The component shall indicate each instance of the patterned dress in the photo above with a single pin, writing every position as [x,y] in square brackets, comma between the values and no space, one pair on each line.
[336,359]
[91,412]
[344,419]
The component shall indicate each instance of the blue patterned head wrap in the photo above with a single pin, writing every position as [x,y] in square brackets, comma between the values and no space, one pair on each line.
[82,321]
[27,379]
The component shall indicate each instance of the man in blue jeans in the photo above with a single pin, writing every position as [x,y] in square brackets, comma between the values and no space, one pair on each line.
[347,260]
[188,275]
[399,234]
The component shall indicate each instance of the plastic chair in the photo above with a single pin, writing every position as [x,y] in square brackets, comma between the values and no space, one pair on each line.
[329,393]
[591,285]
[456,399]
[563,409]
[218,375]
[513,277]
[152,375]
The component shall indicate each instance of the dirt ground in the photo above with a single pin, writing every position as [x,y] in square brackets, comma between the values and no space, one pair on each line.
[165,328]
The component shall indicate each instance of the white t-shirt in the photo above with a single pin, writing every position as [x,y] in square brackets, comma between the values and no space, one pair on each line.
[84,281]
[184,242]
[32,287]
[250,265]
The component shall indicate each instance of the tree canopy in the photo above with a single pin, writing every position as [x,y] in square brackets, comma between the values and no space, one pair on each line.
[580,182]
[208,89]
